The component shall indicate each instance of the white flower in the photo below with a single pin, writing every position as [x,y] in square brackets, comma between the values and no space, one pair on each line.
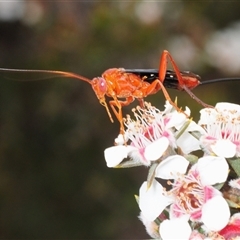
[191,195]
[151,227]
[150,134]
[222,126]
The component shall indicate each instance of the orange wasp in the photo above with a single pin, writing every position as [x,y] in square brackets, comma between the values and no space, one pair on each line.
[120,83]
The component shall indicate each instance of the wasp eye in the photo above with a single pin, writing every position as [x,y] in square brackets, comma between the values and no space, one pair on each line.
[102,84]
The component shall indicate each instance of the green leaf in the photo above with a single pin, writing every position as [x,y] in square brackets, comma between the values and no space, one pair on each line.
[232,204]
[191,158]
[151,174]
[129,163]
[218,186]
[183,129]
[196,134]
[137,198]
[235,164]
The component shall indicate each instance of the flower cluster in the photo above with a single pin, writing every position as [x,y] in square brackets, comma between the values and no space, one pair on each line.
[188,194]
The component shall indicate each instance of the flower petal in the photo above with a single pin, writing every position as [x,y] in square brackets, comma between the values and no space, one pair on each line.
[171,166]
[156,149]
[114,155]
[152,201]
[224,148]
[215,213]
[120,140]
[207,115]
[212,170]
[227,106]
[187,142]
[177,118]
[177,228]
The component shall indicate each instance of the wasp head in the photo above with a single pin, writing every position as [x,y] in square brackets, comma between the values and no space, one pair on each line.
[99,86]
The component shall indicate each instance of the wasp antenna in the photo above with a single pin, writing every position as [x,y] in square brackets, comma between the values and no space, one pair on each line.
[71,75]
[220,80]
[52,73]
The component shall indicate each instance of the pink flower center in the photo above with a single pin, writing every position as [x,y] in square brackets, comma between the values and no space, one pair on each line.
[189,194]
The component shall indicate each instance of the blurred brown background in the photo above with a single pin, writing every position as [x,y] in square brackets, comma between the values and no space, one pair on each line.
[54,182]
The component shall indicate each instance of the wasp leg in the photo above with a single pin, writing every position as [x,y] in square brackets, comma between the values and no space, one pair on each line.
[116,106]
[162,72]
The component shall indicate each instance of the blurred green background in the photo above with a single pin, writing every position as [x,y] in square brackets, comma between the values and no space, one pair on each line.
[54,182]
